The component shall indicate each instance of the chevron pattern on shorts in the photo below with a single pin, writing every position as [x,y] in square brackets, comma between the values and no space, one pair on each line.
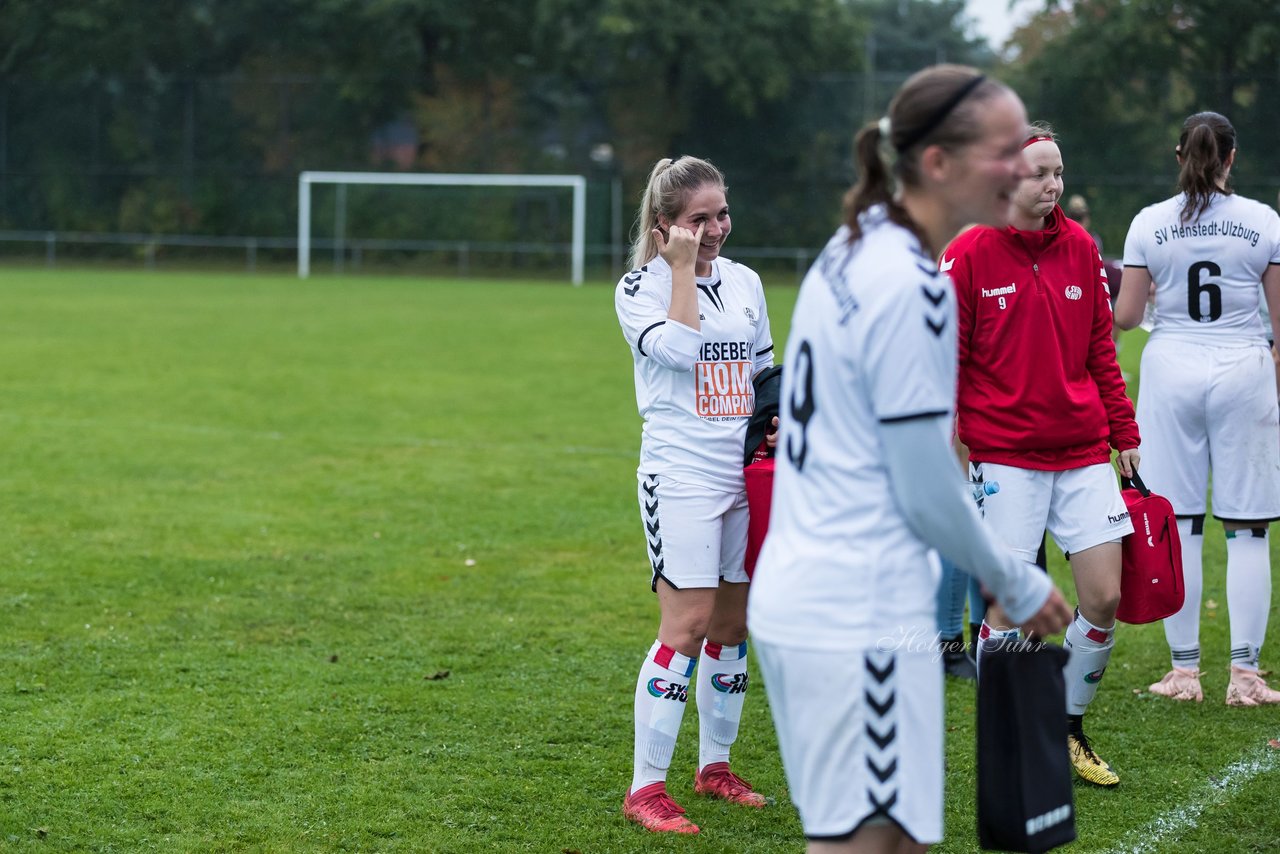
[652,526]
[880,695]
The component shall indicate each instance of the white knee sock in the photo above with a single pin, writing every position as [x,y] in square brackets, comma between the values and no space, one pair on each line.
[1090,648]
[1248,593]
[990,639]
[661,693]
[1182,630]
[722,688]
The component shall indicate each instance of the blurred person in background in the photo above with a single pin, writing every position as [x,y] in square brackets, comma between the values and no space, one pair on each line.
[1208,395]
[698,330]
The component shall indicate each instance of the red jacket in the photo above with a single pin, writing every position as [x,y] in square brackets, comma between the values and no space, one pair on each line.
[1039,386]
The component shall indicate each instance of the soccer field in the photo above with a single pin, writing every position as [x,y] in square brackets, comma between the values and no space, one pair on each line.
[355,565]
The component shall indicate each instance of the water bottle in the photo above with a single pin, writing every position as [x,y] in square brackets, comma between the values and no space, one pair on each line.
[981,489]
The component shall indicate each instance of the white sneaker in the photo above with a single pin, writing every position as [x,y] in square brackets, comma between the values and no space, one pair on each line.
[1247,688]
[1181,684]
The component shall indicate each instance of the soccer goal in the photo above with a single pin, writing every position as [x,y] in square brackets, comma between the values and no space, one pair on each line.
[577,183]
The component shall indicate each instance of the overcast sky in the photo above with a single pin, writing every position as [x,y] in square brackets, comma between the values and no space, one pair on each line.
[996,21]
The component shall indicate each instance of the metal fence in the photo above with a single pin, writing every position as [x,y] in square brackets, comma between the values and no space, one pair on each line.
[462,257]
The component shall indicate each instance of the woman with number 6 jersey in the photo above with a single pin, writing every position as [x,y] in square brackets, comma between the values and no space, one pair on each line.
[842,601]
[1208,396]
[1041,403]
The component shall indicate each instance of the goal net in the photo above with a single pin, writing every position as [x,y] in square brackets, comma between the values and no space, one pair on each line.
[576,183]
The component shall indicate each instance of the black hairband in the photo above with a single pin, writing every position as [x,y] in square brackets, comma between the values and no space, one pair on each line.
[941,114]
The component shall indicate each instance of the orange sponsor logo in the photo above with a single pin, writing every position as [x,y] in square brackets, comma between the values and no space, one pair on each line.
[724,389]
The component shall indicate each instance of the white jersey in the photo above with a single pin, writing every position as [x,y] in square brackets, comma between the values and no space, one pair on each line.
[1207,271]
[873,340]
[694,386]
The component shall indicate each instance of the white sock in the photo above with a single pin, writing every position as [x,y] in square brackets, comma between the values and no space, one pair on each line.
[1248,593]
[989,640]
[1090,647]
[1182,630]
[722,688]
[661,693]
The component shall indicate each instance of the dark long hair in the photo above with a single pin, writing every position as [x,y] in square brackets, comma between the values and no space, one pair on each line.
[1207,141]
[939,105]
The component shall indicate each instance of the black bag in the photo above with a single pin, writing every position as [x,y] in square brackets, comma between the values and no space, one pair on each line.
[1024,775]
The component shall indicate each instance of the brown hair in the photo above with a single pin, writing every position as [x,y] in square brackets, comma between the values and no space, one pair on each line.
[671,183]
[1040,130]
[936,106]
[1207,141]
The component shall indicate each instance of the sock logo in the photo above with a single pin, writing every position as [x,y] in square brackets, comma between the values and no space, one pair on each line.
[1095,677]
[730,684]
[662,689]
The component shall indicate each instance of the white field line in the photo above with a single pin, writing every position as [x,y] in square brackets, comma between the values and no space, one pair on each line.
[1171,824]
[276,436]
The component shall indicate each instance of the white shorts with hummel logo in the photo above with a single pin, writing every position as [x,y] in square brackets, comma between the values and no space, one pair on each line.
[1080,508]
[861,736]
[696,536]
[1205,408]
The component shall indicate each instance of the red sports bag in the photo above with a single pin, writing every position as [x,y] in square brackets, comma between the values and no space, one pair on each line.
[1151,578]
[759,478]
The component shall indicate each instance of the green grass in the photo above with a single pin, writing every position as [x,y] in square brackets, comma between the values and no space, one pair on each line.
[249,525]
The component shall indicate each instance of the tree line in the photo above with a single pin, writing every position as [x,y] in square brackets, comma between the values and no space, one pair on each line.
[125,115]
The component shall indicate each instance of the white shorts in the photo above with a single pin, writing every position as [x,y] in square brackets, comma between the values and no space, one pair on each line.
[861,737]
[1202,408]
[696,535]
[1080,508]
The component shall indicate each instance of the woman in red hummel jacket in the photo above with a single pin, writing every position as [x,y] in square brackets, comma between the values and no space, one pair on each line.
[1040,405]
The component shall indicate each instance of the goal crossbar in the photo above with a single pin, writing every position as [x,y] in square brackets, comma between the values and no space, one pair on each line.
[577,183]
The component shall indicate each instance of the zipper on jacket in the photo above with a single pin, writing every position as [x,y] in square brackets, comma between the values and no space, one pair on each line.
[1035,268]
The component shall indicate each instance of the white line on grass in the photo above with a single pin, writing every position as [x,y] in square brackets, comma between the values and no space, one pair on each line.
[1172,823]
[276,436]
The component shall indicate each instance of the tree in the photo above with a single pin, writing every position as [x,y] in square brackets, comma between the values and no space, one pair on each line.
[1117,78]
[907,35]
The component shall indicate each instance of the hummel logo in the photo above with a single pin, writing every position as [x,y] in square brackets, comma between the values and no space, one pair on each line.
[635,285]
[946,264]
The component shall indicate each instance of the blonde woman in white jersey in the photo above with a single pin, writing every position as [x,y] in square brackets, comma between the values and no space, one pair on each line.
[698,330]
[1208,394]
[842,601]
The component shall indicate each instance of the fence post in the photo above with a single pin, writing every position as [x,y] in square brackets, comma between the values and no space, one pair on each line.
[339,228]
[149,253]
[463,259]
[251,254]
[50,249]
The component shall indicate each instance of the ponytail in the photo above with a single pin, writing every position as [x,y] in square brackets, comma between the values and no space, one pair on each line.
[671,183]
[875,182]
[936,106]
[1205,146]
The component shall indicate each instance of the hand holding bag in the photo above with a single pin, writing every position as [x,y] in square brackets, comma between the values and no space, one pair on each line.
[1151,586]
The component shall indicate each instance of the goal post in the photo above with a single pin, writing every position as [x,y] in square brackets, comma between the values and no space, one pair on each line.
[577,183]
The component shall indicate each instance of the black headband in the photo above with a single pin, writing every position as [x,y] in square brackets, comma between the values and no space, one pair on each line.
[940,114]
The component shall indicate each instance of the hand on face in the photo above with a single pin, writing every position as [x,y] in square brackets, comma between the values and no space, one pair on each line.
[678,246]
